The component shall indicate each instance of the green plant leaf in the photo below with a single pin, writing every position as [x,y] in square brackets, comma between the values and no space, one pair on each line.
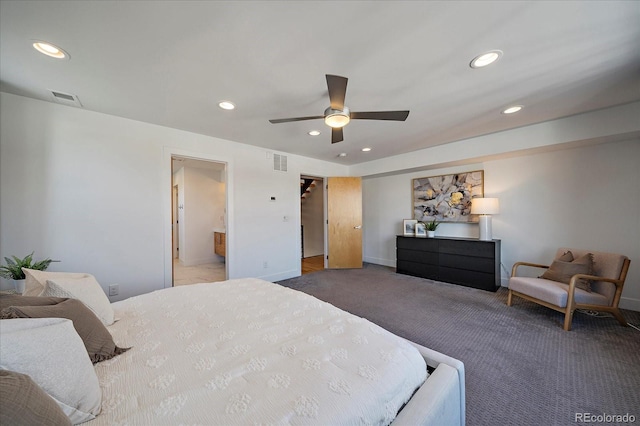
[13,268]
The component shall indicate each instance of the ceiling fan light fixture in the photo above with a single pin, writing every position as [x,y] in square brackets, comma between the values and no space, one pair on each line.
[336,118]
[49,49]
[485,59]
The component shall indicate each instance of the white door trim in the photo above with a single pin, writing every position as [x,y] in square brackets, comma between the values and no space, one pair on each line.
[167,194]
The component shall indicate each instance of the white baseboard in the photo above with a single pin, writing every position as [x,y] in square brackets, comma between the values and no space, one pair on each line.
[630,303]
[378,261]
[280,276]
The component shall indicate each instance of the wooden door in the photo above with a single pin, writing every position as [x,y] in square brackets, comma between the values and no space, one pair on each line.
[344,212]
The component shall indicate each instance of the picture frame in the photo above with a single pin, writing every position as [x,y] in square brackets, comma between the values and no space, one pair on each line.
[409,226]
[446,198]
[421,229]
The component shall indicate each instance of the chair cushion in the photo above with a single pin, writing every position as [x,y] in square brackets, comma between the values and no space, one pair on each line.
[605,264]
[565,267]
[554,292]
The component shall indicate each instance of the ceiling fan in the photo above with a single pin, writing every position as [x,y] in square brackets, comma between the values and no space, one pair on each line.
[337,115]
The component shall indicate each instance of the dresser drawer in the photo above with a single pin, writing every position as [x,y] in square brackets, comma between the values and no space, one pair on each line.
[417,243]
[468,248]
[474,279]
[427,257]
[417,269]
[468,263]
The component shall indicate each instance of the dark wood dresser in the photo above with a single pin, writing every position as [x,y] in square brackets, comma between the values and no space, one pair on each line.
[464,261]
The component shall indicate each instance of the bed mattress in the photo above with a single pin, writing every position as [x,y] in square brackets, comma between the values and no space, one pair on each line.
[247,352]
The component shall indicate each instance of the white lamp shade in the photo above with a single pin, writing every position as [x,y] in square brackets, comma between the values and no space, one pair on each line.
[485,206]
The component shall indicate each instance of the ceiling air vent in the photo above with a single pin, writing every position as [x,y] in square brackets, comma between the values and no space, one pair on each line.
[280,162]
[66,99]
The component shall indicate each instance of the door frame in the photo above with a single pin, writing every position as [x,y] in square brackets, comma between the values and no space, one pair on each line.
[324,216]
[167,207]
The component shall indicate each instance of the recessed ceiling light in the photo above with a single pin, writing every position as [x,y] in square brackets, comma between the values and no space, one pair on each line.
[314,132]
[366,149]
[512,109]
[342,154]
[226,105]
[485,59]
[50,49]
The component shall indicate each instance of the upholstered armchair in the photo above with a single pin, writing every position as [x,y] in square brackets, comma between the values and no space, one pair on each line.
[577,279]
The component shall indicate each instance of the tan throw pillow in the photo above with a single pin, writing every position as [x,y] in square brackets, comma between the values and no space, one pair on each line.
[87,290]
[7,300]
[23,402]
[562,271]
[566,257]
[36,280]
[95,336]
[51,353]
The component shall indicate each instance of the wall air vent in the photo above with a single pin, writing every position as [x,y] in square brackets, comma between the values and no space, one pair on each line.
[280,162]
[65,99]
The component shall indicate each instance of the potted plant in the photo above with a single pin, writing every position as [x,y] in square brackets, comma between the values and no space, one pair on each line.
[13,269]
[431,228]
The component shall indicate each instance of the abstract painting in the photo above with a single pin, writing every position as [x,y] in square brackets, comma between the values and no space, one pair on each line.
[446,198]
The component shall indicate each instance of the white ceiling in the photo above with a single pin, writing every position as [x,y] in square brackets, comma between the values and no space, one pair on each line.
[170,63]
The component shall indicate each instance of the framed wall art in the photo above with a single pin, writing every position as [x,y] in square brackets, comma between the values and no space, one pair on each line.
[421,229]
[409,226]
[446,198]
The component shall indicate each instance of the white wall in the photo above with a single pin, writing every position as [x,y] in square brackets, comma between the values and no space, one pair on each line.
[312,215]
[204,202]
[94,191]
[584,197]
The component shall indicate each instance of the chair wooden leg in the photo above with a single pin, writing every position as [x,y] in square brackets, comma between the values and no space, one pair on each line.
[618,315]
[568,317]
[509,298]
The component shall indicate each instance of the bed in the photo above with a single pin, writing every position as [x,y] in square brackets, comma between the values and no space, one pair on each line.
[248,351]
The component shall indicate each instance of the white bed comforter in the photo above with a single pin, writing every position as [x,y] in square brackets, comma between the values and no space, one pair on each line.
[251,352]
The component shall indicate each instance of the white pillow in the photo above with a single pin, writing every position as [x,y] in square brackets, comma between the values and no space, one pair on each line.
[36,280]
[50,351]
[87,290]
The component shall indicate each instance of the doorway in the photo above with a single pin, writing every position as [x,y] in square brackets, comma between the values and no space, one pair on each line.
[312,229]
[198,219]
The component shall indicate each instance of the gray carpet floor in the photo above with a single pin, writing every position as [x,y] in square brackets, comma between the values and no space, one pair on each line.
[521,367]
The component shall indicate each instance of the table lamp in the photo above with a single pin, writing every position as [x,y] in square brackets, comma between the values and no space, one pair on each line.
[485,207]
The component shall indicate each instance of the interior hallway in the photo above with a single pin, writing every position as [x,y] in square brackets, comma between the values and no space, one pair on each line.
[312,264]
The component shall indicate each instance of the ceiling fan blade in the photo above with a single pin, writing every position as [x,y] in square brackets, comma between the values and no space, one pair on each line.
[337,90]
[287,120]
[336,135]
[380,115]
